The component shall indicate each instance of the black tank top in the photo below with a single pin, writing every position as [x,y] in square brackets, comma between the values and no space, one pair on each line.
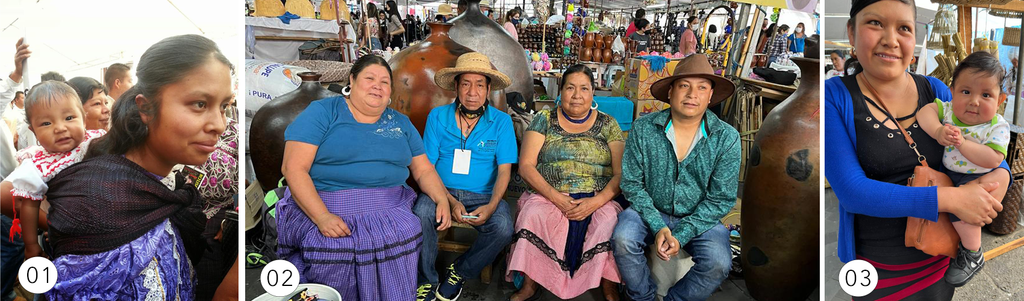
[885,156]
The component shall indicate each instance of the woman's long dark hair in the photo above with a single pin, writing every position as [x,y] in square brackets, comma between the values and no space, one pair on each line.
[164,63]
[392,8]
[371,10]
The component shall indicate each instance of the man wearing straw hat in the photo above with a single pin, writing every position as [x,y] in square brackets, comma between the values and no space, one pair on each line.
[473,146]
[680,171]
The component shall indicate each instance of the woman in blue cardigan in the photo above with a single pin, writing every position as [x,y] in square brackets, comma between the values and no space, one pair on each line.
[868,163]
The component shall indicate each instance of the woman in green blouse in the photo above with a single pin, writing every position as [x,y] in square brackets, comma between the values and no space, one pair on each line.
[571,157]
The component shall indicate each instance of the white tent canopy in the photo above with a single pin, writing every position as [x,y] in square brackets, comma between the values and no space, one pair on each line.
[80,38]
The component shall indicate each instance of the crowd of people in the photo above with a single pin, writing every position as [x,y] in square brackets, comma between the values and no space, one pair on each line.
[596,199]
[125,186]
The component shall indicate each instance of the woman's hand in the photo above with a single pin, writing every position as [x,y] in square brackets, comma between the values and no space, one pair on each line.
[331,225]
[973,203]
[563,202]
[584,208]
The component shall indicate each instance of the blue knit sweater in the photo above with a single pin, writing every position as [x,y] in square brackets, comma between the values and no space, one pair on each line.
[856,193]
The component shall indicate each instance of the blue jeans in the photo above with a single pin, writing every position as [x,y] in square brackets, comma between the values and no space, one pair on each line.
[495,234]
[710,251]
[375,44]
[12,254]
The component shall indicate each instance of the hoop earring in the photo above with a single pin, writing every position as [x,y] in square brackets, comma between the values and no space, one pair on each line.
[853,53]
[594,107]
[347,90]
[389,101]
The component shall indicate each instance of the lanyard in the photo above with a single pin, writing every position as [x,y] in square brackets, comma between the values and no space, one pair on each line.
[465,121]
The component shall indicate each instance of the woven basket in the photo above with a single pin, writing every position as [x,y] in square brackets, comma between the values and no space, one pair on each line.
[331,71]
[1011,36]
[1006,221]
[1016,155]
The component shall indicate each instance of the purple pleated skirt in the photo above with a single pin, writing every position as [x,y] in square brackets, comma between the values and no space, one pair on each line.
[377,261]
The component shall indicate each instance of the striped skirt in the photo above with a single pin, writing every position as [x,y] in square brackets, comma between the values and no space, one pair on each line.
[377,261]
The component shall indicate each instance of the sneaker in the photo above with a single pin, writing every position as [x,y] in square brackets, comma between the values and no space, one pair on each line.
[964,266]
[450,289]
[425,292]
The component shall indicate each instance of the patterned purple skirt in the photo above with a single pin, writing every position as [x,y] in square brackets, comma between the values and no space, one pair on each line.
[377,261]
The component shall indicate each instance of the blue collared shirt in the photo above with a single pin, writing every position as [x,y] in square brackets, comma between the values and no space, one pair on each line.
[492,143]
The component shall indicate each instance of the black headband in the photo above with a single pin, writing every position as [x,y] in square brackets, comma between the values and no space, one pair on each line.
[859,5]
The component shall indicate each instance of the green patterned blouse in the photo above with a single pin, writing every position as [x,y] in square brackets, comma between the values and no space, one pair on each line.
[575,163]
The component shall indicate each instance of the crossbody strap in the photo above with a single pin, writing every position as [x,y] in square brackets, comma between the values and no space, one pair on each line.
[906,136]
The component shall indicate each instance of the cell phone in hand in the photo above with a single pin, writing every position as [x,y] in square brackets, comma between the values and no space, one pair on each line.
[470,216]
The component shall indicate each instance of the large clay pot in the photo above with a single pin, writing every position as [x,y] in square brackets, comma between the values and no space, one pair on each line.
[588,40]
[609,39]
[414,92]
[474,30]
[266,136]
[781,194]
[599,42]
[606,56]
[586,54]
[597,55]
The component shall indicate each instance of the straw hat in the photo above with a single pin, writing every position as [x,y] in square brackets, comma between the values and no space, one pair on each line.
[472,62]
[695,66]
[444,9]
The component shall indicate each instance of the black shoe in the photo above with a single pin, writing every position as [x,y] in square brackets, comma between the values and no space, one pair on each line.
[964,266]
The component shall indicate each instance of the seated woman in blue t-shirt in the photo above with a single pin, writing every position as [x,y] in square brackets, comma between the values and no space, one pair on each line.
[346,219]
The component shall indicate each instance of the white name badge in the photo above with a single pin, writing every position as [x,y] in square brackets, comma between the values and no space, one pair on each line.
[461,164]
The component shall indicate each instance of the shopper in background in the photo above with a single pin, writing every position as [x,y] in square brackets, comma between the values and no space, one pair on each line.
[688,40]
[778,45]
[394,24]
[643,40]
[796,40]
[511,23]
[639,14]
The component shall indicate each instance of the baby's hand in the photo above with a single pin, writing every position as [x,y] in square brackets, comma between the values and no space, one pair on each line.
[949,135]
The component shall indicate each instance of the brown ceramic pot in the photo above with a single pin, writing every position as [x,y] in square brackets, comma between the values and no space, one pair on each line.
[781,194]
[586,54]
[599,42]
[266,135]
[588,40]
[597,55]
[414,91]
[606,57]
[609,39]
[475,31]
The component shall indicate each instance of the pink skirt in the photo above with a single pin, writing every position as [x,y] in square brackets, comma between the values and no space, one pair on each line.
[539,246]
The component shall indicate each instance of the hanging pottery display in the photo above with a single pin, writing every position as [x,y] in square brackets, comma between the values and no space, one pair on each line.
[781,193]
[266,136]
[415,93]
[475,31]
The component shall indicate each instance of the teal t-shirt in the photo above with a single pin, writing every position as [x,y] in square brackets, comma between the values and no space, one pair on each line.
[352,154]
[492,143]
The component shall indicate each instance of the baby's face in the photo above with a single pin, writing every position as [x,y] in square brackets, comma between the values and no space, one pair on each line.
[976,97]
[58,124]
